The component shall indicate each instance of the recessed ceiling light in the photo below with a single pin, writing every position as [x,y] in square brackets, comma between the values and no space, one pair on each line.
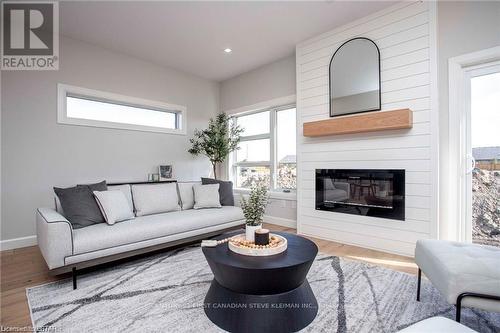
[228,50]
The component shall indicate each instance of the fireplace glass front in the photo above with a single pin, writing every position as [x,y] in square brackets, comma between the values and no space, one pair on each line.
[369,192]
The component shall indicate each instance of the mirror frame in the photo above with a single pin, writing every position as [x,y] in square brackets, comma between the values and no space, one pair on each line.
[330,80]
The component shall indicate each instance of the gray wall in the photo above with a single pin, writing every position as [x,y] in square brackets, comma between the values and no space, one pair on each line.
[265,83]
[38,154]
[463,27]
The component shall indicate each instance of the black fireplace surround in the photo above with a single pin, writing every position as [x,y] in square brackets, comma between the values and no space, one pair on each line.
[369,192]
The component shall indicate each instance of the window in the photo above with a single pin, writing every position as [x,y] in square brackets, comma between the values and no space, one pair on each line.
[267,151]
[286,136]
[80,106]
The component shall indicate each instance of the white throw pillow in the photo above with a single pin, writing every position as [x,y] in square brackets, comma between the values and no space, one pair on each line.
[126,190]
[187,195]
[114,206]
[206,196]
[154,199]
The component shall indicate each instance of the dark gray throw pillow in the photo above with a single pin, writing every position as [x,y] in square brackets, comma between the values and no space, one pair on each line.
[79,205]
[101,186]
[225,190]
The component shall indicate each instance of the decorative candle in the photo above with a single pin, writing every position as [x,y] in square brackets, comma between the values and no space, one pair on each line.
[262,237]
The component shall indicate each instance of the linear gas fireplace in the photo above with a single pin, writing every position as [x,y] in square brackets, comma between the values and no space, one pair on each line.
[369,192]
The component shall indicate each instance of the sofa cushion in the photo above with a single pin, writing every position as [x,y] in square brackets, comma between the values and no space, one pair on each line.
[455,268]
[206,196]
[225,190]
[79,206]
[178,238]
[103,236]
[114,206]
[155,198]
[186,195]
[126,191]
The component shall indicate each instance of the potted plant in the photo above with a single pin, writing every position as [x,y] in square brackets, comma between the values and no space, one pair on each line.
[253,210]
[216,142]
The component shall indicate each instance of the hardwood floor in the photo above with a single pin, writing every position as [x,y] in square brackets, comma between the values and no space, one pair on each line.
[392,261]
[25,267]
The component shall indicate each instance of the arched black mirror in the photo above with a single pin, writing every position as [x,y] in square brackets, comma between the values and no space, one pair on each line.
[355,78]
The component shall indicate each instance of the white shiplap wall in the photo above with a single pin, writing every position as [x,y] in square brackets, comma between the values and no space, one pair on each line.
[405,34]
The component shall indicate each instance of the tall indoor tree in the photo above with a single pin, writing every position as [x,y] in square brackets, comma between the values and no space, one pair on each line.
[216,142]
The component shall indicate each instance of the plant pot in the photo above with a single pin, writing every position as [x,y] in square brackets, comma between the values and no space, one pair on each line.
[250,231]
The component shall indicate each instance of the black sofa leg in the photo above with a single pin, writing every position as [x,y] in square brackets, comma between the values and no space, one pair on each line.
[459,309]
[459,306]
[419,280]
[73,271]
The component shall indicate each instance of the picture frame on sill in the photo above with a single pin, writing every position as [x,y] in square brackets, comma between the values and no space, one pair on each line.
[165,172]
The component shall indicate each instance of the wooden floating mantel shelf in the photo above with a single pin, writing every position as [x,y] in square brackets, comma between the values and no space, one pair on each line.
[359,123]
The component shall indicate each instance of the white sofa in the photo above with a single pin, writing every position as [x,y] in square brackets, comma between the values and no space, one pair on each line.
[67,249]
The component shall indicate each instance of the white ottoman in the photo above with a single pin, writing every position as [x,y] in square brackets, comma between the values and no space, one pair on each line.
[437,325]
[465,274]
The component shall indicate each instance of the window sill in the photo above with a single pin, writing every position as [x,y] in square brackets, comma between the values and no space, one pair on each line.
[292,196]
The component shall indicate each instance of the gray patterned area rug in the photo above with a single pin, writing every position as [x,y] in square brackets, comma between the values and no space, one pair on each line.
[165,292]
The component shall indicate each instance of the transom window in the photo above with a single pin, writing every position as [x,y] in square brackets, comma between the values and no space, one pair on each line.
[81,106]
[267,151]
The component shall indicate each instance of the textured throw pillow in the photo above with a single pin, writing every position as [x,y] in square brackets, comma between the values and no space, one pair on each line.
[225,190]
[206,196]
[186,194]
[101,186]
[79,206]
[153,199]
[114,206]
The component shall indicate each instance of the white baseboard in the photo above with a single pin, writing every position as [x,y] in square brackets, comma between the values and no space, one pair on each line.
[280,221]
[16,243]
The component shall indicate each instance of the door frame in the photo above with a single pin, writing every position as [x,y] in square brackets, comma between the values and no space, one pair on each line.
[459,73]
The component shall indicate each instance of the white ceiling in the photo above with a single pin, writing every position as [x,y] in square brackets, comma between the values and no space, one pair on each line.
[191,36]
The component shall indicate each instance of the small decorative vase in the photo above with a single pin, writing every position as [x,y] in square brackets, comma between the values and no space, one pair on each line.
[250,231]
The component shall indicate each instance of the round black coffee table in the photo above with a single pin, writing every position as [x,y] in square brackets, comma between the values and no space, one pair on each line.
[261,294]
